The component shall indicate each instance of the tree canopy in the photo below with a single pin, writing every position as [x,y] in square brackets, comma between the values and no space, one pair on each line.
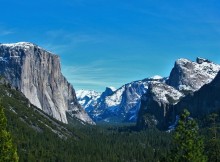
[188,145]
[8,152]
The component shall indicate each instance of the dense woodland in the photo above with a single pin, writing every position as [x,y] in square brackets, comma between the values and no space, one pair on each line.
[40,138]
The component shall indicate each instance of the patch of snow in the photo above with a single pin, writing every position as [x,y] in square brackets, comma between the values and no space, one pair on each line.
[112,88]
[115,99]
[80,94]
[164,93]
[3,59]
[26,45]
[87,98]
[156,77]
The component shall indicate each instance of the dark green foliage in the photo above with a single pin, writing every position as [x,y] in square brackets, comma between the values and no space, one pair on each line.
[213,150]
[118,144]
[188,145]
[213,141]
[8,152]
[37,139]
[147,121]
[40,138]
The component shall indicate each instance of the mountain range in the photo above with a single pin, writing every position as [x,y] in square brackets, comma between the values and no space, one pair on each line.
[123,104]
[149,102]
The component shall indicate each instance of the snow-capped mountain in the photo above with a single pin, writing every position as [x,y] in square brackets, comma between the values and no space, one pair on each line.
[204,101]
[37,74]
[186,77]
[189,76]
[119,105]
[87,98]
[200,104]
[123,104]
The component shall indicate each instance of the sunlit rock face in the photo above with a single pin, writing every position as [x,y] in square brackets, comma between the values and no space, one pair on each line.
[37,74]
[189,76]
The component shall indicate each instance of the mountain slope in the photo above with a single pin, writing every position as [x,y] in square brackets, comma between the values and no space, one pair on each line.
[37,74]
[204,101]
[87,98]
[155,105]
[121,105]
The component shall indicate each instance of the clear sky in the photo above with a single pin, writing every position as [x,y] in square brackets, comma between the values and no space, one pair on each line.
[112,42]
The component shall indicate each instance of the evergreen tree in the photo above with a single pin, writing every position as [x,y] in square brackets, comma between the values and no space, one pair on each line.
[8,152]
[188,145]
[213,144]
[213,150]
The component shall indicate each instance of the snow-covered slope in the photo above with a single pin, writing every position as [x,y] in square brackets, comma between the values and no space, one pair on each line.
[119,105]
[164,93]
[87,98]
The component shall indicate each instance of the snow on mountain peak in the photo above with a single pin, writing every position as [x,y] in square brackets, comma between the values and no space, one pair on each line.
[90,93]
[190,76]
[18,44]
[123,104]
[87,98]
[115,98]
[23,45]
[112,88]
[156,77]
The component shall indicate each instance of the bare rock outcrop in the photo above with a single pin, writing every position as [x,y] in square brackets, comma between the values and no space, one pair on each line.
[37,74]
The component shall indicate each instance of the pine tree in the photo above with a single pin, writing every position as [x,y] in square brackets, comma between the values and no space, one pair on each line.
[213,144]
[8,152]
[188,145]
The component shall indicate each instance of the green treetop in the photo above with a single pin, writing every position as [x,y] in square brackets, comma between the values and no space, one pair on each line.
[8,152]
[188,145]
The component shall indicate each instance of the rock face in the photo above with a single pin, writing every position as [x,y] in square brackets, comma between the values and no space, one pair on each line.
[188,76]
[155,105]
[159,104]
[37,74]
[121,105]
[204,101]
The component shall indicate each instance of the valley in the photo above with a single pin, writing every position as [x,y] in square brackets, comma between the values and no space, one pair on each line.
[135,122]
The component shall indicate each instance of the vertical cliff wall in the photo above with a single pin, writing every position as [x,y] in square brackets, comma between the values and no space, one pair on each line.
[37,74]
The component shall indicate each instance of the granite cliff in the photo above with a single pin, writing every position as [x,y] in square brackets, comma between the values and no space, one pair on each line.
[37,74]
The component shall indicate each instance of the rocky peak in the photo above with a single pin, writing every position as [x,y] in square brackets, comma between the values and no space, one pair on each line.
[200,60]
[108,91]
[188,76]
[37,74]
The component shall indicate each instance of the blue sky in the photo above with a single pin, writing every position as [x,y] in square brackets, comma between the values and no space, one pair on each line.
[112,42]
